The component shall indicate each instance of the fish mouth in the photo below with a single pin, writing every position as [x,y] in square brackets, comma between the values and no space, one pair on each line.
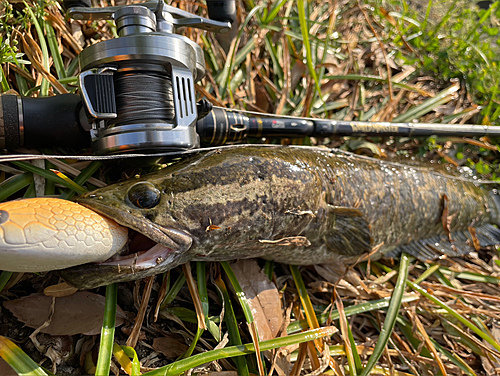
[151,245]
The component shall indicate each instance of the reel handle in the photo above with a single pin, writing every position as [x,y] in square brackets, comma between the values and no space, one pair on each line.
[162,11]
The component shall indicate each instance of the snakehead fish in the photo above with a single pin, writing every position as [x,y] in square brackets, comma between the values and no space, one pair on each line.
[295,205]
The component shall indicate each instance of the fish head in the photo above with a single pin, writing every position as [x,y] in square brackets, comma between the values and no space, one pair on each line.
[140,205]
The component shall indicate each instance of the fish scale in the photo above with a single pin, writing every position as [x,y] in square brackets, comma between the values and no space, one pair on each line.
[297,205]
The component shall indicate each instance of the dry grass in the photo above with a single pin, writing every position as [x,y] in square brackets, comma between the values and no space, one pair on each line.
[366,66]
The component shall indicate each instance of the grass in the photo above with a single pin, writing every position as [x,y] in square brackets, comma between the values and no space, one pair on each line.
[439,64]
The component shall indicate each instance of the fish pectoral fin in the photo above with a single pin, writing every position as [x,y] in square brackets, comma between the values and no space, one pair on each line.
[349,233]
[461,244]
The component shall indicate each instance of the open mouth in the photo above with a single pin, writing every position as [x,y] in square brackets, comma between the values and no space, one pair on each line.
[149,244]
[140,253]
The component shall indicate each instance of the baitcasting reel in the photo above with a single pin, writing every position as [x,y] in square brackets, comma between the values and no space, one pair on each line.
[138,89]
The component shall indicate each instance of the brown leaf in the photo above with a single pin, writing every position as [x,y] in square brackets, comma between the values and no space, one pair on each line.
[263,298]
[172,346]
[298,71]
[80,313]
[491,363]
[56,348]
[60,290]
[387,16]
[5,369]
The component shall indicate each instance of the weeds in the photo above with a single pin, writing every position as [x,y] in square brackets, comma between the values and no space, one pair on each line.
[378,60]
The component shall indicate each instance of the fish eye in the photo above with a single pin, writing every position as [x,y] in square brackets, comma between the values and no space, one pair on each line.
[144,195]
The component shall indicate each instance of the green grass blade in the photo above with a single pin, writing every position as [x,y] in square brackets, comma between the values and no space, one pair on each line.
[22,84]
[4,84]
[470,276]
[82,178]
[357,359]
[456,315]
[240,294]
[274,12]
[225,76]
[181,366]
[392,314]
[50,186]
[485,16]
[268,269]
[305,36]
[232,327]
[428,272]
[455,359]
[107,331]
[18,359]
[201,280]
[54,50]
[427,105]
[172,293]
[304,297]
[14,184]
[4,279]
[49,175]
[44,88]
[247,310]
[30,192]
[136,365]
[357,309]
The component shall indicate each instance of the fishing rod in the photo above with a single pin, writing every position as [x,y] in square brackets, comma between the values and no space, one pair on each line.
[137,95]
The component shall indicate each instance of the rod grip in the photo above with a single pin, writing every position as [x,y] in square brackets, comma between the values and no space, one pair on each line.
[42,122]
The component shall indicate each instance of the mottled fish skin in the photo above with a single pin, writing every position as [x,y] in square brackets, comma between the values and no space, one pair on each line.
[296,205]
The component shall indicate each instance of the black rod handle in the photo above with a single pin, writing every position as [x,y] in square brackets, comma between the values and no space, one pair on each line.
[43,122]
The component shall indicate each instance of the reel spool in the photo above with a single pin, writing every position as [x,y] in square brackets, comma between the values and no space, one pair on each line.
[138,89]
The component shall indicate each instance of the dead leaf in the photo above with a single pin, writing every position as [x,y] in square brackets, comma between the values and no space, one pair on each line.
[80,313]
[363,147]
[263,298]
[60,290]
[262,100]
[56,348]
[172,346]
[5,369]
[388,17]
[298,71]
[475,240]
[491,363]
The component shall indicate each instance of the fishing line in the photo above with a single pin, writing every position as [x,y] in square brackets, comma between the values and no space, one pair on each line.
[218,149]
[144,98]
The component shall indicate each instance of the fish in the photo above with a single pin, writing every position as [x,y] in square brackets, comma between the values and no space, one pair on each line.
[43,234]
[295,205]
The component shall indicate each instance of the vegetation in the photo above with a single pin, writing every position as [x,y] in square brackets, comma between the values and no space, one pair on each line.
[367,60]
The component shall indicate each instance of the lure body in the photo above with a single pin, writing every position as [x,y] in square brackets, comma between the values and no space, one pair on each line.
[42,234]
